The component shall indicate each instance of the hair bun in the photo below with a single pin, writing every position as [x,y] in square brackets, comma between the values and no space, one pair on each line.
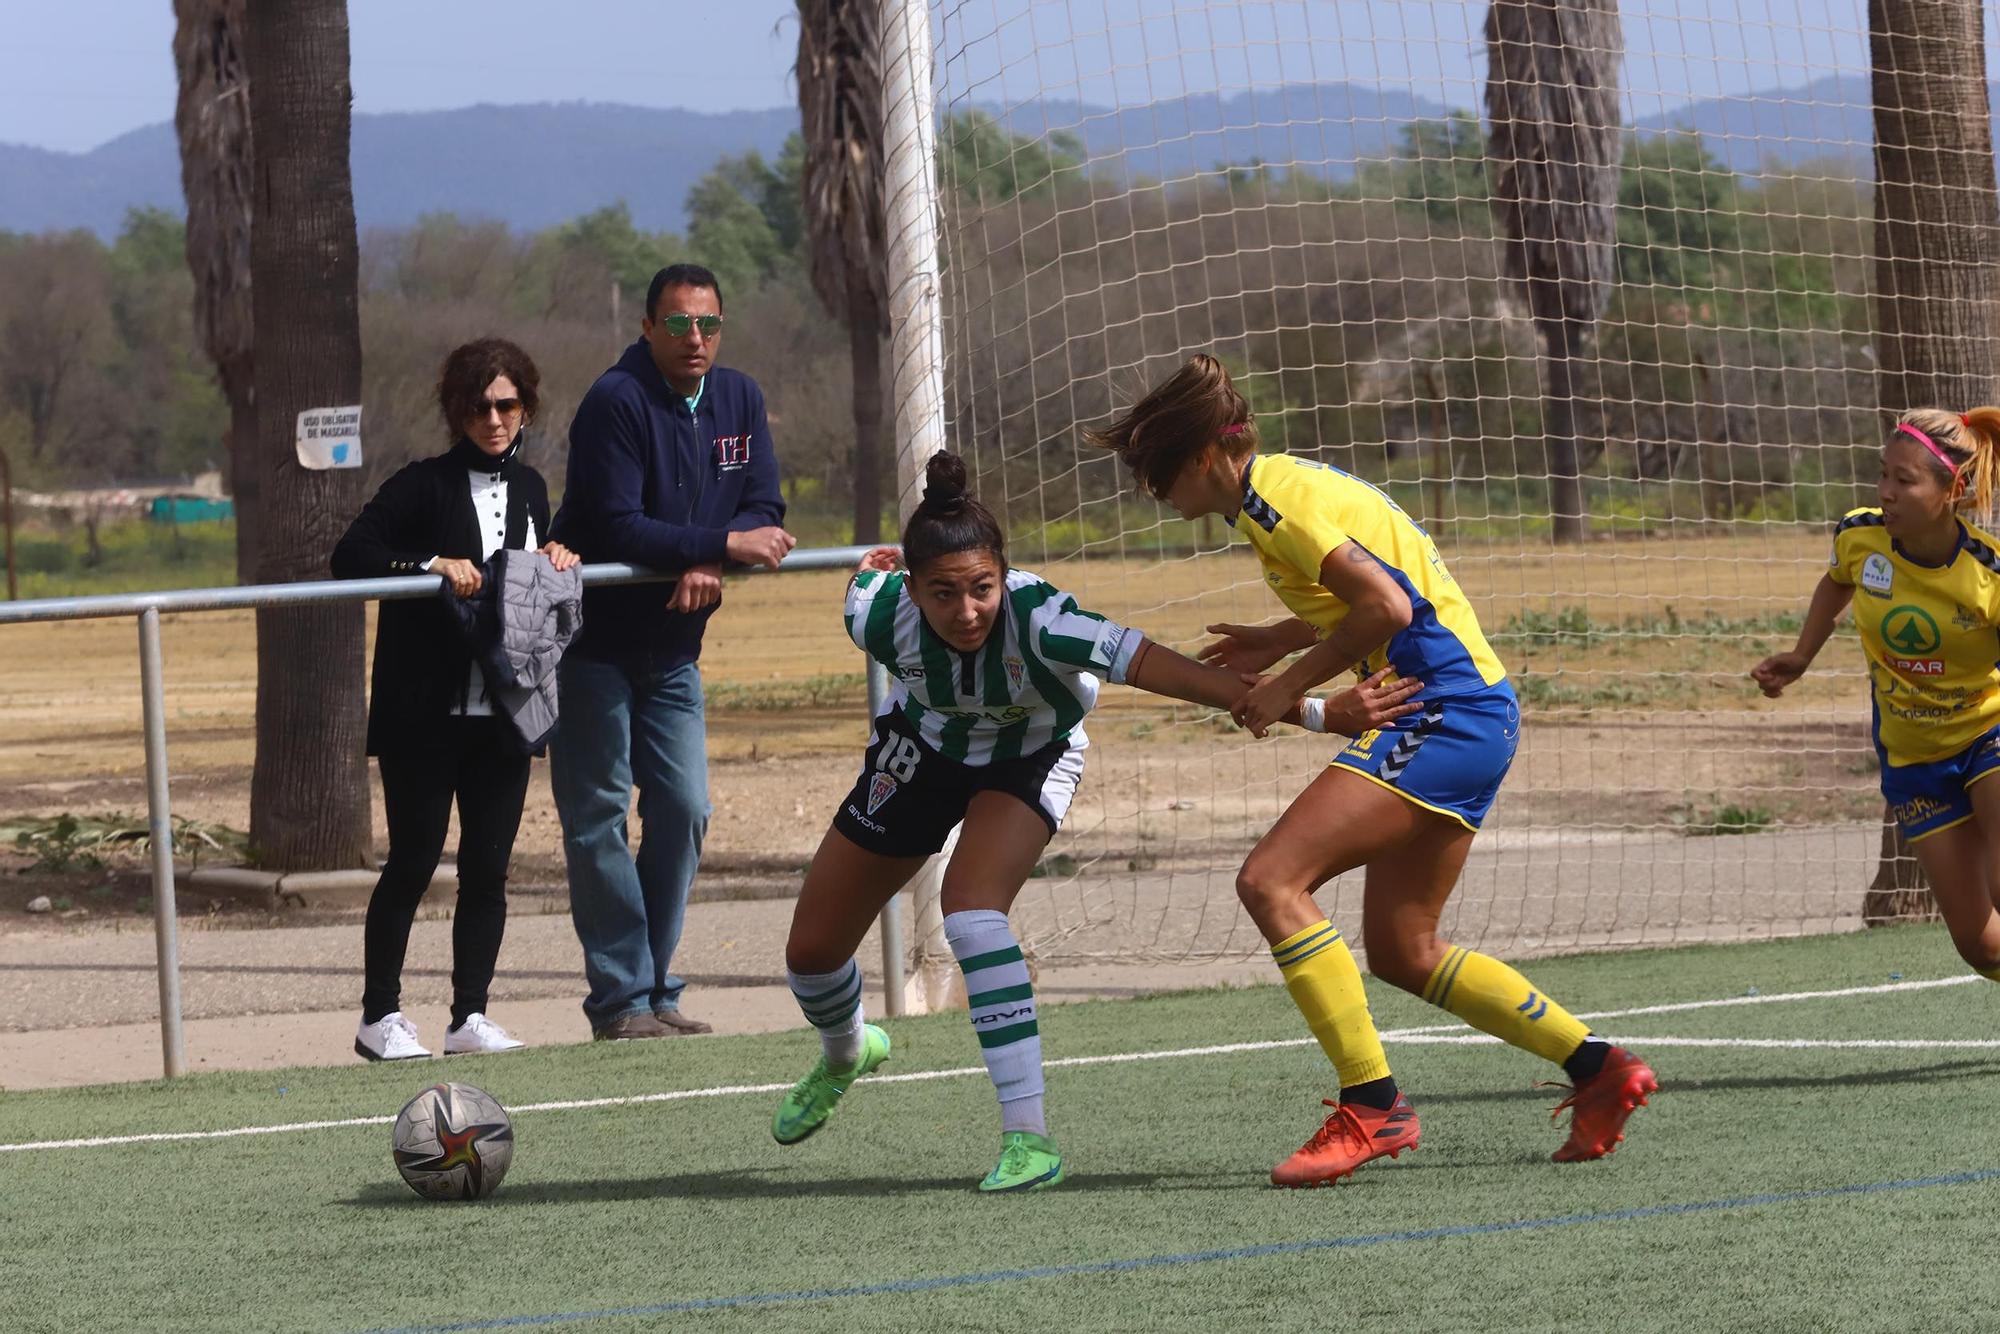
[944,484]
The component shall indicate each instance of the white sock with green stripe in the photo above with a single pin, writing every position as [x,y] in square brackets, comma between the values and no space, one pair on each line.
[1003,1013]
[832,1004]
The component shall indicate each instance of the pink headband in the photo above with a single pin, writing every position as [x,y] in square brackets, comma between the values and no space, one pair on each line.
[1236,429]
[1931,445]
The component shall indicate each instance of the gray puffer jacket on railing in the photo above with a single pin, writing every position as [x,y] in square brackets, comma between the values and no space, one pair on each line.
[518,624]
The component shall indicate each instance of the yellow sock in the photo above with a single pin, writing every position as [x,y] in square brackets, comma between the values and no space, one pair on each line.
[1495,999]
[1320,972]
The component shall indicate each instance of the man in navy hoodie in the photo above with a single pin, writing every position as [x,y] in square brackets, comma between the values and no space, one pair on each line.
[670,466]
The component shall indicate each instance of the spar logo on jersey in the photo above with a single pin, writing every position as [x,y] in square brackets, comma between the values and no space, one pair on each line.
[880,788]
[1911,637]
[1877,574]
[1017,673]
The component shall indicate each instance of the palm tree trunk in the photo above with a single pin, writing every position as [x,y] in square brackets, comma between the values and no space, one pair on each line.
[1567,514]
[864,343]
[246,487]
[1937,260]
[309,786]
[1553,163]
[212,119]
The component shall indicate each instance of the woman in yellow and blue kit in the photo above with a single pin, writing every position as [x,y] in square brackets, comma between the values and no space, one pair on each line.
[1928,608]
[1367,590]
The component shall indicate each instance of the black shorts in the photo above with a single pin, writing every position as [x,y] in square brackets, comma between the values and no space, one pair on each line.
[909,797]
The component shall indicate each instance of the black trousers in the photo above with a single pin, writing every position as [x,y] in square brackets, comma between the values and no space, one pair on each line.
[479,762]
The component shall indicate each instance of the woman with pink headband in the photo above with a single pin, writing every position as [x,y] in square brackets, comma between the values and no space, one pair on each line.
[1929,605]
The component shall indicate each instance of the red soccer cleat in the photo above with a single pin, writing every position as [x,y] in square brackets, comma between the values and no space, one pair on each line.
[1599,1106]
[1353,1135]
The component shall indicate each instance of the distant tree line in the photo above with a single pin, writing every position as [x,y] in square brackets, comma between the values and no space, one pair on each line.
[1367,317]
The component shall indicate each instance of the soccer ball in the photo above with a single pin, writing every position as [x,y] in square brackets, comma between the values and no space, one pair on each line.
[453,1142]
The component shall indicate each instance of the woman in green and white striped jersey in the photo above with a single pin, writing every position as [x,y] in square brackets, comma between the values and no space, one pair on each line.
[993,671]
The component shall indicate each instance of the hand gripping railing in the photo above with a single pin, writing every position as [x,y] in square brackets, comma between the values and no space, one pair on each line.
[148,607]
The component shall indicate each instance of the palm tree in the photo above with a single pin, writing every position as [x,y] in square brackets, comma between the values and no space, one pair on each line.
[213,118]
[1553,163]
[840,113]
[309,785]
[1937,259]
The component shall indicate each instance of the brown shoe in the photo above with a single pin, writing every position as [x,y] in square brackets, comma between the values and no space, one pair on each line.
[679,1025]
[630,1027]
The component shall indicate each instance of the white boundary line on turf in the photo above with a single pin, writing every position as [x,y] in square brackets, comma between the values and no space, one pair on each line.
[1680,1007]
[1440,1035]
[1650,1040]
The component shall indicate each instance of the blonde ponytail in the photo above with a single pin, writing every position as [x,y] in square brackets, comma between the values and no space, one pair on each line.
[1981,437]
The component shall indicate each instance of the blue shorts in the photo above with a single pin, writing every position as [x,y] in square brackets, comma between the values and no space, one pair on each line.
[1928,797]
[1449,758]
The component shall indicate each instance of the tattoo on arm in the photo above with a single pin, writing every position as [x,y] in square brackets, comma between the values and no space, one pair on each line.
[1358,554]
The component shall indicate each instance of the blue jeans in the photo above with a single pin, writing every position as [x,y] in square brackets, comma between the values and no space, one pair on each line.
[625,722]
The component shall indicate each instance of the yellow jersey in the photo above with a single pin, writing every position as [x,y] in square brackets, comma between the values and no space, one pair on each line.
[1295,513]
[1929,633]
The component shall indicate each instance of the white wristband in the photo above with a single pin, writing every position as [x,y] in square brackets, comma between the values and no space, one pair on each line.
[1312,713]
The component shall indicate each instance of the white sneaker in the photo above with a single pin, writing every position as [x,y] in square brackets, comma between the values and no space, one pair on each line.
[390,1038]
[476,1034]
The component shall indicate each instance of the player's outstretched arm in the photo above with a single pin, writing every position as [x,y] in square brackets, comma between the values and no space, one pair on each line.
[1159,670]
[1779,670]
[1375,702]
[1377,608]
[1253,648]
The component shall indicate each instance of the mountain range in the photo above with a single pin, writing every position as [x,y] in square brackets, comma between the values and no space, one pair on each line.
[535,166]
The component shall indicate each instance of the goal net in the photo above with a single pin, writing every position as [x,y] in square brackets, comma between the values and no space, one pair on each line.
[1304,190]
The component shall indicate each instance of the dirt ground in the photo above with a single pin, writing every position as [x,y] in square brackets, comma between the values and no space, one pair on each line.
[1641,734]
[1682,738]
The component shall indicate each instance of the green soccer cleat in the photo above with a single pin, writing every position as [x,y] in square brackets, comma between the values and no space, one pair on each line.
[1027,1162]
[811,1100]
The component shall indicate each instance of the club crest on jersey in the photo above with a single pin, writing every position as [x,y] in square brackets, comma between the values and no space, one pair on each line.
[880,788]
[1877,574]
[1017,673]
[1964,618]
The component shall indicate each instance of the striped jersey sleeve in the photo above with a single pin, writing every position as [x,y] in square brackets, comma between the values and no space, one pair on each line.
[1065,635]
[872,596]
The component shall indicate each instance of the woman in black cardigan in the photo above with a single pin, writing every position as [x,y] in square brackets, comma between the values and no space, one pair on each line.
[430,726]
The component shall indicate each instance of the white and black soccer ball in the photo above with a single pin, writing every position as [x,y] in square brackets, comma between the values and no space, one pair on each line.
[453,1142]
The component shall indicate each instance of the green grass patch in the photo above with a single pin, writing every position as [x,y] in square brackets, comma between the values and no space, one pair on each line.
[133,556]
[1574,627]
[633,1207]
[831,689]
[1729,819]
[1584,691]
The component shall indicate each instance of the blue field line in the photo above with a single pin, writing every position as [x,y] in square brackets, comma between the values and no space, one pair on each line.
[991,1276]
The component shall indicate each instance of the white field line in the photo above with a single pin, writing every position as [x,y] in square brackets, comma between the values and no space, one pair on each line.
[1680,1007]
[1651,1040]
[1435,1035]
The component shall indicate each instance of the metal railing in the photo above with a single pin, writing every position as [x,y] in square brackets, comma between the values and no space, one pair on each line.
[148,607]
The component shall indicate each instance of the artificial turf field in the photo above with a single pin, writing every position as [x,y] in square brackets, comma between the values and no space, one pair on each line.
[1787,1178]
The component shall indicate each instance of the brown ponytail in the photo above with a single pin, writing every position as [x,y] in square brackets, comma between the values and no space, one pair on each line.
[1197,406]
[1972,441]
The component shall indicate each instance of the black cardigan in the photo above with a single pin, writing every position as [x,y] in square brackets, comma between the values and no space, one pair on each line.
[422,662]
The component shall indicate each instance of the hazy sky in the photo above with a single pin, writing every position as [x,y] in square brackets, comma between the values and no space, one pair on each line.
[84,71]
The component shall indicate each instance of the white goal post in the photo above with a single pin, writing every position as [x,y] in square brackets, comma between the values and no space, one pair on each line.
[1307,190]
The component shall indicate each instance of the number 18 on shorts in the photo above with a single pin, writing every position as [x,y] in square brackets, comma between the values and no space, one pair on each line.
[908,797]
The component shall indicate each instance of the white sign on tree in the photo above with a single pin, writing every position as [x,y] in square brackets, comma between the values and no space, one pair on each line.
[330,438]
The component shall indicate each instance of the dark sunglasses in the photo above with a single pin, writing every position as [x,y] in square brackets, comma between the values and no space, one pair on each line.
[677,326]
[506,407]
